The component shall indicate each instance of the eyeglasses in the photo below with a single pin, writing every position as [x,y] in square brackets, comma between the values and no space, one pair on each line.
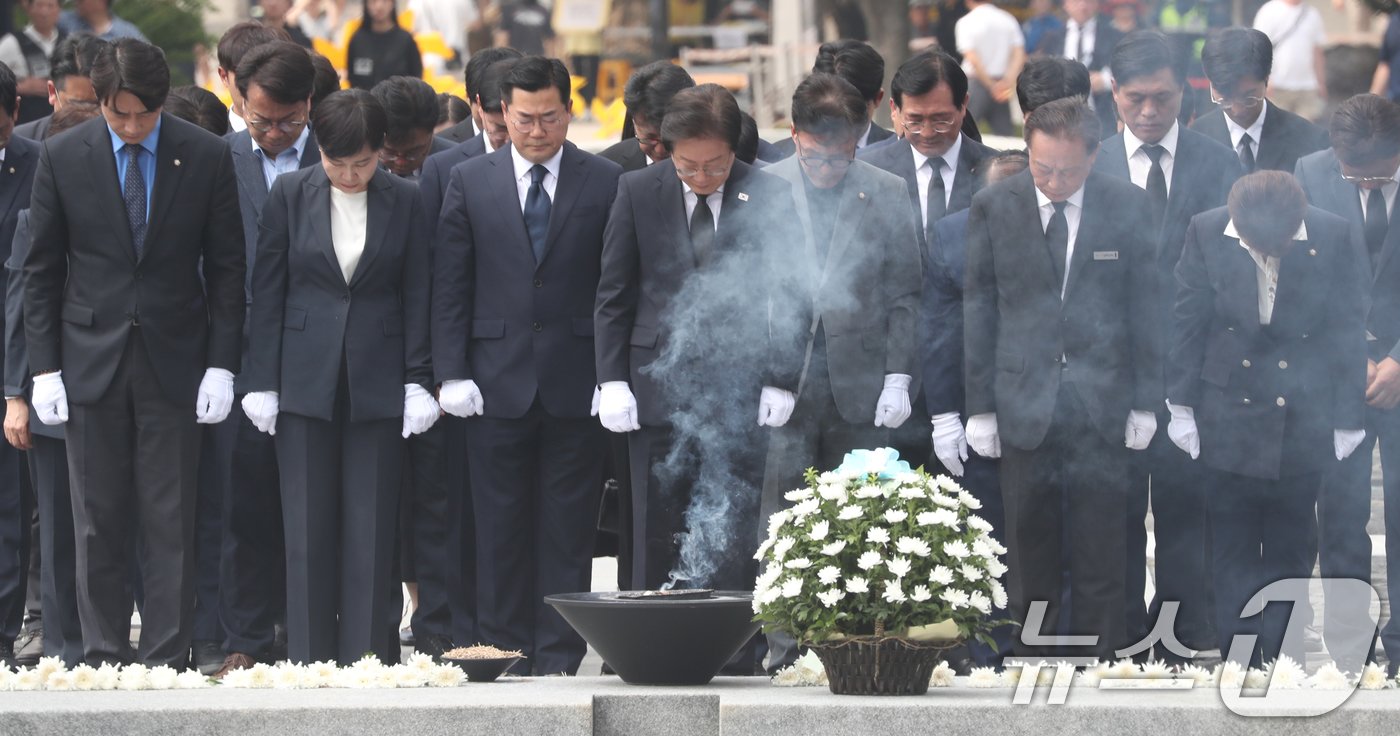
[525,125]
[1246,101]
[649,140]
[718,172]
[285,126]
[1368,179]
[837,163]
[387,154]
[1042,171]
[916,126]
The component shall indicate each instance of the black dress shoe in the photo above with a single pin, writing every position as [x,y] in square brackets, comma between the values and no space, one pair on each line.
[434,645]
[30,645]
[7,655]
[208,657]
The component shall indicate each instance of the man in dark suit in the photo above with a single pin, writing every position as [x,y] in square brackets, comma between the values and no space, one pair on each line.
[18,159]
[1357,179]
[133,312]
[69,67]
[1264,136]
[649,90]
[1044,79]
[696,238]
[1267,386]
[859,246]
[413,112]
[860,64]
[239,463]
[1088,38]
[473,126]
[1184,173]
[516,360]
[486,79]
[1060,353]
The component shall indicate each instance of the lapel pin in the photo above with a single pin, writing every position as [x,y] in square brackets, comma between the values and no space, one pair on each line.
[743,197]
[862,195]
[177,162]
[1312,251]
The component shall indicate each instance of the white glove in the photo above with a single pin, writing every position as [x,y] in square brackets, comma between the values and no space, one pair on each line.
[1182,430]
[893,406]
[461,399]
[420,410]
[593,410]
[215,397]
[617,407]
[775,406]
[1142,425]
[982,435]
[950,442]
[261,408]
[1345,441]
[50,398]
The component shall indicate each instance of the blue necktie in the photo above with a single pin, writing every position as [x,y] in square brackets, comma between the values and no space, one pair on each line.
[134,192]
[537,211]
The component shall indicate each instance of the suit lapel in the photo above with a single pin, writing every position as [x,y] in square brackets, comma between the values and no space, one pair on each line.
[671,197]
[1037,251]
[848,218]
[791,170]
[1271,146]
[169,149]
[1085,240]
[963,177]
[502,181]
[318,197]
[249,170]
[103,163]
[380,209]
[1241,281]
[573,175]
[15,163]
[1114,155]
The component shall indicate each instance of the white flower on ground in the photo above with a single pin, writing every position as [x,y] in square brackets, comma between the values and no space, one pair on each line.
[236,679]
[970,572]
[831,597]
[1229,675]
[956,549]
[913,546]
[47,666]
[1256,679]
[191,680]
[980,601]
[1328,677]
[108,676]
[819,530]
[368,662]
[405,676]
[983,677]
[941,576]
[162,677]
[900,566]
[878,535]
[850,512]
[798,494]
[1093,674]
[857,585]
[800,563]
[792,587]
[1124,669]
[868,492]
[829,575]
[1286,674]
[133,677]
[260,675]
[321,673]
[26,679]
[780,549]
[834,548]
[868,560]
[59,680]
[894,516]
[920,594]
[287,676]
[84,677]
[809,668]
[386,678]
[358,679]
[893,594]
[1373,678]
[954,597]
[1155,670]
[942,676]
[446,675]
[1201,676]
[787,677]
[912,492]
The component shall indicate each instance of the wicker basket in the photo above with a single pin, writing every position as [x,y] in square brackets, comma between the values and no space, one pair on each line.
[888,665]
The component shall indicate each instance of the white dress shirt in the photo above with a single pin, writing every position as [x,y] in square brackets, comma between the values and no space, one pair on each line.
[923,173]
[1254,130]
[1073,31]
[1074,209]
[1387,190]
[522,174]
[864,139]
[349,219]
[714,202]
[1139,163]
[1266,270]
[486,139]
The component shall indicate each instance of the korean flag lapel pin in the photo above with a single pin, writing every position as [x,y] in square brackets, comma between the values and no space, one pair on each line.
[177,162]
[743,197]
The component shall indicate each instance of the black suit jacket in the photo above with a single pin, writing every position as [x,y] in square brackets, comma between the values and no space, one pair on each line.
[941,324]
[898,158]
[519,328]
[1105,38]
[648,259]
[461,132]
[17,381]
[35,130]
[432,182]
[627,154]
[1321,177]
[1284,139]
[1267,398]
[307,321]
[85,287]
[1017,327]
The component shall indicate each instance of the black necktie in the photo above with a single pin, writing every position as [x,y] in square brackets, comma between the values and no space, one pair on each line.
[1156,185]
[1057,238]
[1376,223]
[937,204]
[1247,153]
[1079,45]
[134,192]
[702,229]
[537,211]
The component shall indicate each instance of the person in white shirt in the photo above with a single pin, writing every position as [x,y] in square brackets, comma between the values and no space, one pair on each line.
[28,52]
[1298,82]
[993,50]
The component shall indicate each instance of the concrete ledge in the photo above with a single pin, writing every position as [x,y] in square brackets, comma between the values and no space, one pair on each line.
[605,705]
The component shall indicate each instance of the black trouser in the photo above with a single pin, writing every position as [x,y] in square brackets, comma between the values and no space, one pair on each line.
[443,566]
[1071,491]
[1256,527]
[48,470]
[133,458]
[16,516]
[535,487]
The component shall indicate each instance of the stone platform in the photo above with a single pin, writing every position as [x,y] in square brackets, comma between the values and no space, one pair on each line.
[605,705]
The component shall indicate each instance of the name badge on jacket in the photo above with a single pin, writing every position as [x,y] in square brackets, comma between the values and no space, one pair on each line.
[1105,255]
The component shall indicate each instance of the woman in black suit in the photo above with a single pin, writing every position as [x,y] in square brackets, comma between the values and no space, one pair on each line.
[340,373]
